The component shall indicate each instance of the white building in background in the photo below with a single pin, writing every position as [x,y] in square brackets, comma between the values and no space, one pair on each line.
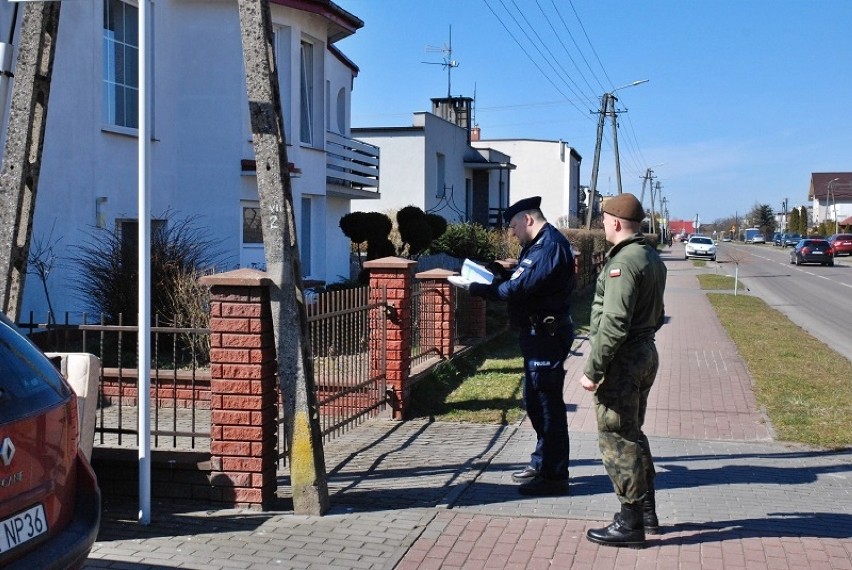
[432,165]
[830,197]
[550,169]
[441,165]
[202,160]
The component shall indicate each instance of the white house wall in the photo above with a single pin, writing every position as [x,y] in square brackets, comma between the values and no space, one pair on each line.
[543,168]
[403,171]
[409,175]
[200,133]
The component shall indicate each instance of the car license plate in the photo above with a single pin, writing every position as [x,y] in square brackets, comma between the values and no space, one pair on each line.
[816,252]
[21,528]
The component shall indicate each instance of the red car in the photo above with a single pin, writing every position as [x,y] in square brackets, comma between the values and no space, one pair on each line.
[841,244]
[49,496]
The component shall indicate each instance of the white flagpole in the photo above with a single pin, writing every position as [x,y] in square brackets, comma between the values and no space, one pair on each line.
[144,285]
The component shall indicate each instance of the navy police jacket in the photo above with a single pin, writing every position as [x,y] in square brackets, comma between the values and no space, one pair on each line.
[542,283]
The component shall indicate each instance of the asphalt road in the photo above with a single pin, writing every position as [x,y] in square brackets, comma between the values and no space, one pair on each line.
[817,298]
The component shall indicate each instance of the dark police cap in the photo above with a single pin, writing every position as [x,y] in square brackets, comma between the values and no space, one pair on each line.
[532,203]
[625,206]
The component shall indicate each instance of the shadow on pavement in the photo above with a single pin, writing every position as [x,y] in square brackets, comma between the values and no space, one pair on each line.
[777,525]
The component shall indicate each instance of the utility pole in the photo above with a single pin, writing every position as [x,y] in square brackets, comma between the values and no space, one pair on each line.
[24,145]
[597,161]
[653,213]
[607,107]
[614,115]
[289,314]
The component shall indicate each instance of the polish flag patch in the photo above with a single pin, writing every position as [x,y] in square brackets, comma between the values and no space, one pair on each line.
[615,272]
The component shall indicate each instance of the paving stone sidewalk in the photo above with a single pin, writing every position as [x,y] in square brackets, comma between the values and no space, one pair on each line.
[426,494]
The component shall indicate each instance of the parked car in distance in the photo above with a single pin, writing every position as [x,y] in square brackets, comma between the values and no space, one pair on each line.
[790,240]
[841,244]
[700,246]
[812,251]
[50,504]
[757,238]
[776,238]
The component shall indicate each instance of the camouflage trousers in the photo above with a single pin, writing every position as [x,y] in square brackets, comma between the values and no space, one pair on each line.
[620,402]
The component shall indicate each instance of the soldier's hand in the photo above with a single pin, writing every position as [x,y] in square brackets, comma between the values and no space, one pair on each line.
[587,384]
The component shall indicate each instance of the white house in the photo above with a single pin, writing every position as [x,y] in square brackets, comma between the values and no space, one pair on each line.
[550,169]
[432,165]
[830,194]
[202,161]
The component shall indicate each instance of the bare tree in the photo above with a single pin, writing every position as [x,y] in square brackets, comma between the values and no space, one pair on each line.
[41,261]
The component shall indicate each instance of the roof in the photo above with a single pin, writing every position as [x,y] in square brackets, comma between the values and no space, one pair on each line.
[341,24]
[841,187]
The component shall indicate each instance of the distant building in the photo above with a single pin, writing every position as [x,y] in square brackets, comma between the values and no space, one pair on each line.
[682,227]
[830,194]
[441,165]
[546,168]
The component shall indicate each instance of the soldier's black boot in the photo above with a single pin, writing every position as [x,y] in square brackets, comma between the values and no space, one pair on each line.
[649,513]
[627,529]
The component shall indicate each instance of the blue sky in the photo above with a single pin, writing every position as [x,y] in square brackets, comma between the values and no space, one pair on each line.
[745,99]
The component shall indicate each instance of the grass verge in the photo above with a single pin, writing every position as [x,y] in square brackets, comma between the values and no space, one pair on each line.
[481,386]
[804,385]
[484,385]
[717,282]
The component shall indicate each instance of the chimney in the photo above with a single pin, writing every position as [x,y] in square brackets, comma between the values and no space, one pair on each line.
[474,133]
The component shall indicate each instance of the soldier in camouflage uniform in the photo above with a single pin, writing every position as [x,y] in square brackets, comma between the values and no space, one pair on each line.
[626,313]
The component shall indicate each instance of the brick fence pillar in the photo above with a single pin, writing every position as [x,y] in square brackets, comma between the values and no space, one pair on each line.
[243,392]
[439,302]
[391,276]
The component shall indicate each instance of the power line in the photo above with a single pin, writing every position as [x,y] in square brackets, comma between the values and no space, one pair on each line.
[580,51]
[552,56]
[546,76]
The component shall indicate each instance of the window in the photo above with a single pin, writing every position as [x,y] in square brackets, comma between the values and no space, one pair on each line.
[252,225]
[121,64]
[468,199]
[306,131]
[341,111]
[128,231]
[440,175]
[305,237]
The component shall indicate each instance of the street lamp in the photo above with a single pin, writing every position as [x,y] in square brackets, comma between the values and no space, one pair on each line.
[607,107]
[831,191]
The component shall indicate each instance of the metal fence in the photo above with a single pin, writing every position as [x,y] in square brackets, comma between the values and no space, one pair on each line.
[423,317]
[180,378]
[350,387]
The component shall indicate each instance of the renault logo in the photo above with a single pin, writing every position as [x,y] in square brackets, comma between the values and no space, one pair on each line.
[7,451]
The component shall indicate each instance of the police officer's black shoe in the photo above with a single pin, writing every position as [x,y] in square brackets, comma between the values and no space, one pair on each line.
[627,529]
[526,474]
[541,487]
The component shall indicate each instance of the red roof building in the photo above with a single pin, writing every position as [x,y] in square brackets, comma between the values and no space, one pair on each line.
[681,227]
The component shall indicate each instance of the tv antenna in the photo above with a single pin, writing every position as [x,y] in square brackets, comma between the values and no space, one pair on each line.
[449,63]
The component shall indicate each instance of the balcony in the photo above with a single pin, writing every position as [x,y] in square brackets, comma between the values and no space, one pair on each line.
[352,167]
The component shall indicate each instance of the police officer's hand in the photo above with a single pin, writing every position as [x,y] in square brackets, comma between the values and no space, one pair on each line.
[587,384]
[498,270]
[459,281]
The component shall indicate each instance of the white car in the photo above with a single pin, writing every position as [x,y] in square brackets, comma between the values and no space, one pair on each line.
[757,238]
[700,246]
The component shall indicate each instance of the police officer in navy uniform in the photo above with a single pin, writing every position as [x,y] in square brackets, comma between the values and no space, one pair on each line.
[538,294]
